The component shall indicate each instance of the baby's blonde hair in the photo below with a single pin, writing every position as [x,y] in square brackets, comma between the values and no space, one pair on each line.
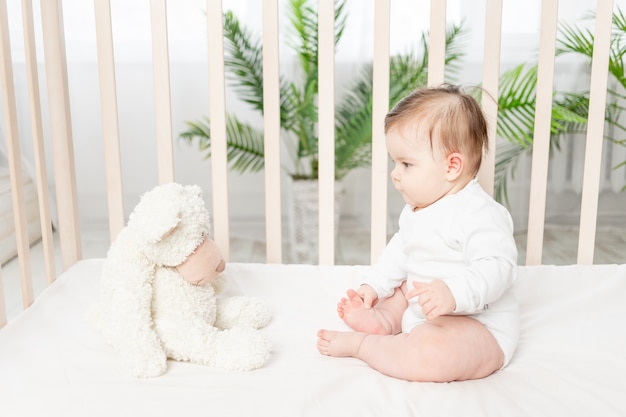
[454,116]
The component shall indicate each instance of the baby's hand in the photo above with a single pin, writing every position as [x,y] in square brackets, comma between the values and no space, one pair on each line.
[368,295]
[434,297]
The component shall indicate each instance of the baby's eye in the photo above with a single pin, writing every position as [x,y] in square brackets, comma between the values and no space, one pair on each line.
[406,164]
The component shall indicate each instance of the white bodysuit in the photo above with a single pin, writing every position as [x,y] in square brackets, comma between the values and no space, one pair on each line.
[466,240]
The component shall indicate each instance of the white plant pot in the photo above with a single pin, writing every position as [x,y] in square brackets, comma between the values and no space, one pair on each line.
[303,212]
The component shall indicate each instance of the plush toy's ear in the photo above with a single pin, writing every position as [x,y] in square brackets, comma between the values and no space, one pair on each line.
[158,213]
[194,189]
[163,227]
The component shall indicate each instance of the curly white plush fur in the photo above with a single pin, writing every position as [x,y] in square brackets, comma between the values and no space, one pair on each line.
[148,312]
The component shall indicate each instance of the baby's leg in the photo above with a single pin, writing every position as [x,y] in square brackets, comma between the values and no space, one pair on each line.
[339,344]
[383,318]
[448,348]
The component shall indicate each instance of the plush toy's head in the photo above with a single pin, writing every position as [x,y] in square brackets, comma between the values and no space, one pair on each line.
[171,227]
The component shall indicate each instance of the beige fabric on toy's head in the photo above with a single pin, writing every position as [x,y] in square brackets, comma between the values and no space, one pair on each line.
[204,264]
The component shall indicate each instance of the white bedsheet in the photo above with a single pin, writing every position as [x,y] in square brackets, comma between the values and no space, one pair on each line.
[571,360]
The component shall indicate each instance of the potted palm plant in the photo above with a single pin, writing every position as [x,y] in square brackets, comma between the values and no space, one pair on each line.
[569,109]
[299,111]
[516,118]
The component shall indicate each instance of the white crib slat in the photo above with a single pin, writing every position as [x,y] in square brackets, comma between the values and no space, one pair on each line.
[217,114]
[326,73]
[380,107]
[437,43]
[3,307]
[110,122]
[595,132]
[61,132]
[43,195]
[491,78]
[541,137]
[271,134]
[162,99]
[15,158]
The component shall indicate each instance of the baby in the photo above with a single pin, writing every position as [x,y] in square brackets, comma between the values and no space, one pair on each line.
[438,305]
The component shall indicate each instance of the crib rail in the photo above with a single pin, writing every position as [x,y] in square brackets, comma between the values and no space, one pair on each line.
[63,158]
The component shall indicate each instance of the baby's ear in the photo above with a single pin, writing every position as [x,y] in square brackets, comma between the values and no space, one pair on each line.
[455,163]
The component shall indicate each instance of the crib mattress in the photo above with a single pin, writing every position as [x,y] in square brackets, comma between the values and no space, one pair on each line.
[571,360]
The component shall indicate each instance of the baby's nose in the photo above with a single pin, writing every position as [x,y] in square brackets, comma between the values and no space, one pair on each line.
[221,266]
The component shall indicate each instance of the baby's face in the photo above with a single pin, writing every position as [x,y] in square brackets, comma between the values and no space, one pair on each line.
[419,172]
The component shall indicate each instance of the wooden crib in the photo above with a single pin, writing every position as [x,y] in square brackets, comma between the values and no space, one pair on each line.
[571,356]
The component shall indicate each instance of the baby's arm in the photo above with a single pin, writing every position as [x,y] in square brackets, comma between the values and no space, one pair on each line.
[388,273]
[490,256]
[434,297]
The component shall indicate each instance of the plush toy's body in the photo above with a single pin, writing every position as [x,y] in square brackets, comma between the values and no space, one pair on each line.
[158,292]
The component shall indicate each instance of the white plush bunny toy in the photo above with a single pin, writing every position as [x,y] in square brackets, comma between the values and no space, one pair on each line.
[158,292]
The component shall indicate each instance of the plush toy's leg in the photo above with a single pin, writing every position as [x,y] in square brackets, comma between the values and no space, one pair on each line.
[240,348]
[241,311]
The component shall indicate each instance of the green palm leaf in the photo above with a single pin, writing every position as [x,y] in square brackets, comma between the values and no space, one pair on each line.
[516,104]
[298,99]
[244,61]
[353,115]
[507,159]
[516,121]
[579,41]
[244,143]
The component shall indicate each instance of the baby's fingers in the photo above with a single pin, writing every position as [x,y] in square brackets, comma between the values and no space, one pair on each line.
[418,289]
[411,294]
[368,300]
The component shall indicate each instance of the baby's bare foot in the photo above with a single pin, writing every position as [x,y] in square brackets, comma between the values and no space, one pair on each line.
[339,344]
[361,319]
